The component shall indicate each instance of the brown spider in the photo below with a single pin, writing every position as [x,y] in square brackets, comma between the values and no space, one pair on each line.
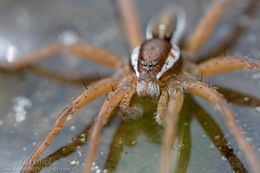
[158,69]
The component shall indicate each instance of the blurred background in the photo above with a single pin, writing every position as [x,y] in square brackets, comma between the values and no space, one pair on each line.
[31,99]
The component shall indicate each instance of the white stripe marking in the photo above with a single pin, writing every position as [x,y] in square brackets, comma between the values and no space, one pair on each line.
[134,60]
[173,57]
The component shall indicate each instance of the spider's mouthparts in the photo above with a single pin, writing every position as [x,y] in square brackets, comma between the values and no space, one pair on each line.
[148,89]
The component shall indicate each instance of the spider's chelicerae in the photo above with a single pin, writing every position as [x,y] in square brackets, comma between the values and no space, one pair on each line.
[159,68]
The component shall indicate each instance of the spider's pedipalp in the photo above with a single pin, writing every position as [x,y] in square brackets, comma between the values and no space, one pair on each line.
[94,90]
[162,107]
[110,103]
[86,51]
[171,119]
[212,96]
[224,64]
[208,23]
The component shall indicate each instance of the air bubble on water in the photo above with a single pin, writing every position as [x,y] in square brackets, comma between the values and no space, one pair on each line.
[79,153]
[249,139]
[74,162]
[258,108]
[82,138]
[1,122]
[34,143]
[68,37]
[72,128]
[35,133]
[95,168]
[211,145]
[24,148]
[256,76]
[21,104]
[203,136]
[223,158]
[133,143]
[69,118]
[217,137]
[8,51]
[246,99]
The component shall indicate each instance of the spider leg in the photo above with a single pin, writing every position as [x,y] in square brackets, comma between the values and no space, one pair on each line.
[110,103]
[79,49]
[239,98]
[205,27]
[162,107]
[218,138]
[183,149]
[65,79]
[128,111]
[92,92]
[212,96]
[131,22]
[171,119]
[225,64]
[116,148]
[64,151]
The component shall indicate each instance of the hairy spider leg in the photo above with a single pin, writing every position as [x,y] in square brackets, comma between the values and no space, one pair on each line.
[130,20]
[171,118]
[224,64]
[162,107]
[85,51]
[212,96]
[204,29]
[94,91]
[110,103]
[125,109]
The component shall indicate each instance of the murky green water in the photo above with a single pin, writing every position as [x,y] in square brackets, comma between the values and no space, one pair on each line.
[30,100]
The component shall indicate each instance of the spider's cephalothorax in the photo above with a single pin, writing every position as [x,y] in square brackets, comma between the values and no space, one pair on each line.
[150,61]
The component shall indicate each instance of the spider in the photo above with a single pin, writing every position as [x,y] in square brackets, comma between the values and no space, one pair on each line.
[159,68]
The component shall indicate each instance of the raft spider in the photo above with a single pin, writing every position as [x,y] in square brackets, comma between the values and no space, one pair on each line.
[160,68]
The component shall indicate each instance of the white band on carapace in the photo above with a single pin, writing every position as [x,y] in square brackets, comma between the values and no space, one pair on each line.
[134,60]
[172,58]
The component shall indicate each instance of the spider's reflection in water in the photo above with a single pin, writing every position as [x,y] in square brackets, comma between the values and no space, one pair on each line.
[128,134]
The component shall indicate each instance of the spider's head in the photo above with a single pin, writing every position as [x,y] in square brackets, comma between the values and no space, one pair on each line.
[150,61]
